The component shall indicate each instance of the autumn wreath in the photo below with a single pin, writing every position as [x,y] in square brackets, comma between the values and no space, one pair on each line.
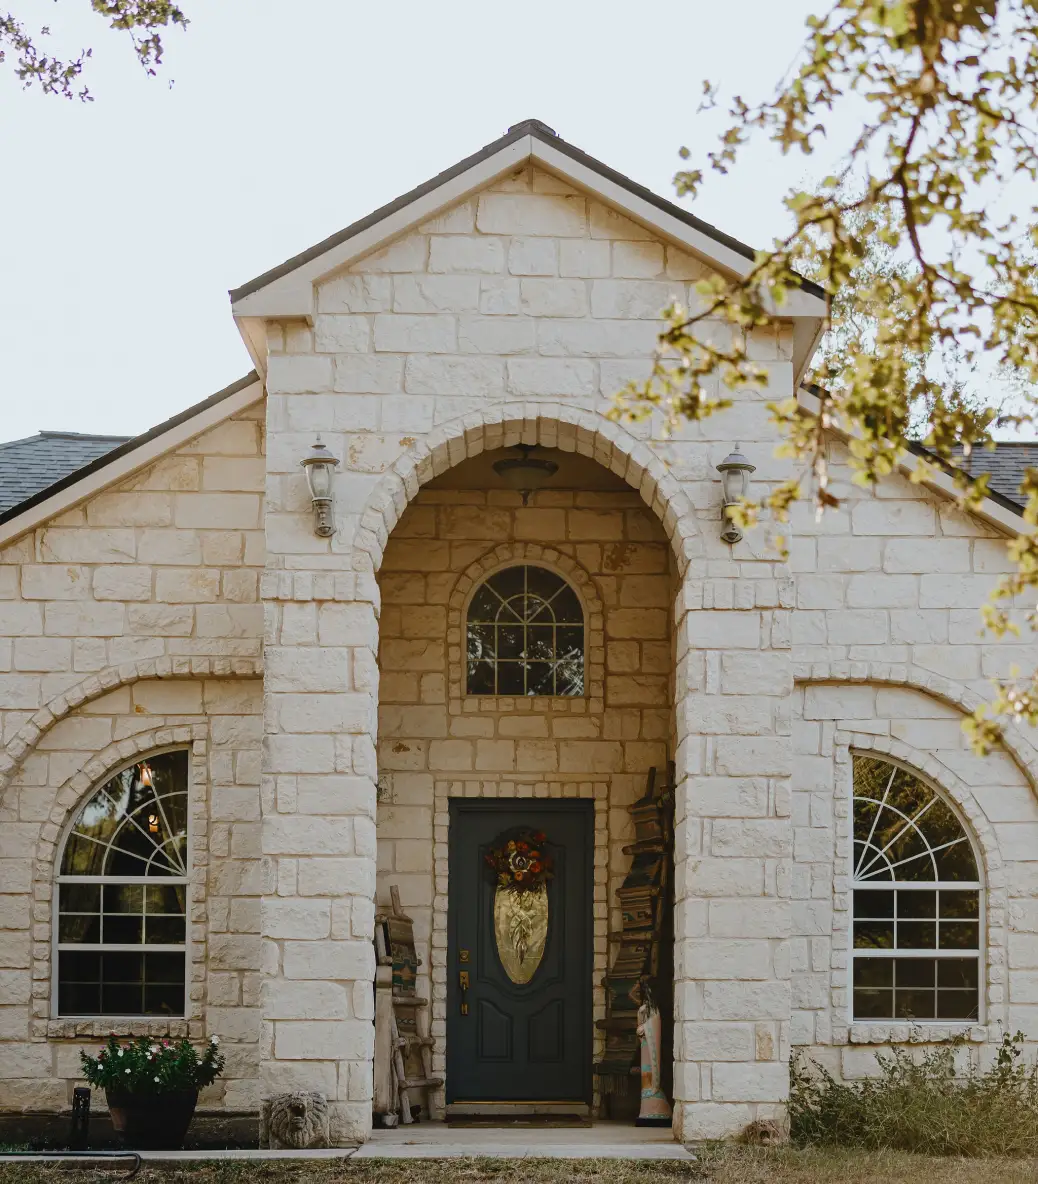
[522,863]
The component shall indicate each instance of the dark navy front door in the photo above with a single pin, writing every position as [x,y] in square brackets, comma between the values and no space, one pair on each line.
[519,1042]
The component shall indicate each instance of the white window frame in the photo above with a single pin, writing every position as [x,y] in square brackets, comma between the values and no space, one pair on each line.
[113,947]
[585,625]
[978,886]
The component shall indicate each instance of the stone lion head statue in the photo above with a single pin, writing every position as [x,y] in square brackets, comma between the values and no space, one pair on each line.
[296,1121]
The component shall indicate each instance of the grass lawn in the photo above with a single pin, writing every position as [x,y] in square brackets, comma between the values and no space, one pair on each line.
[717,1165]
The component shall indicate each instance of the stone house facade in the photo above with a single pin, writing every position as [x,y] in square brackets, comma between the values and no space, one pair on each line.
[172,596]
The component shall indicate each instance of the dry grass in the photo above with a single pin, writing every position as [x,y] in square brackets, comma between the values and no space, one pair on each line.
[716,1165]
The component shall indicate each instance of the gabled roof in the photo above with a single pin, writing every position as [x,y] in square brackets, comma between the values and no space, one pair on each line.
[119,460]
[29,465]
[287,291]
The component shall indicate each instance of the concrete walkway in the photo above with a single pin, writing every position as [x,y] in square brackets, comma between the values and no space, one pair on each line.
[437,1140]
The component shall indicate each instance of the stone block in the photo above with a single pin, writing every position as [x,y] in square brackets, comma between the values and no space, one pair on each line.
[531,214]
[717,1042]
[497,335]
[294,999]
[758,1081]
[321,1040]
[750,918]
[52,581]
[562,377]
[533,256]
[396,333]
[553,298]
[747,1001]
[344,961]
[355,294]
[465,253]
[335,877]
[436,293]
[441,375]
[296,919]
[754,756]
[879,517]
[584,258]
[289,834]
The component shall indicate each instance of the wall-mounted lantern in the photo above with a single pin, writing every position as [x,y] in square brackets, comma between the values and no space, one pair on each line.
[735,472]
[319,465]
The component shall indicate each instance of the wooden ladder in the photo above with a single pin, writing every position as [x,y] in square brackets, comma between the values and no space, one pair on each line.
[401,1019]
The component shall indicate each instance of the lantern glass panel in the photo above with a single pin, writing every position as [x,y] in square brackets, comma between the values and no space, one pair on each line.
[734,481]
[320,475]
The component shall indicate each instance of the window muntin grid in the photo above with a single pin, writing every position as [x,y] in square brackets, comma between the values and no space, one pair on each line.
[525,635]
[121,903]
[916,901]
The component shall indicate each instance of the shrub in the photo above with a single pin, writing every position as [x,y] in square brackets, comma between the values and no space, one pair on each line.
[145,1066]
[923,1105]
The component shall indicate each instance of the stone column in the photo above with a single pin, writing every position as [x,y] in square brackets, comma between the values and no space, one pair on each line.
[733,840]
[318,792]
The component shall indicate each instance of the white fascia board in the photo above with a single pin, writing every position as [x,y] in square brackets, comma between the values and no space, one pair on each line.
[293,294]
[935,480]
[253,332]
[129,463]
[718,256]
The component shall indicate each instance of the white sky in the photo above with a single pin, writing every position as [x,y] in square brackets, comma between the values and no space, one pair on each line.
[272,125]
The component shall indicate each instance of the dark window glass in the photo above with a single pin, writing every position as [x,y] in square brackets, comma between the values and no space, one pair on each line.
[908,843]
[525,635]
[134,826]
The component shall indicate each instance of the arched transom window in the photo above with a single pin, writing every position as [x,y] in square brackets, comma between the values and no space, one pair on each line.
[917,901]
[121,910]
[525,635]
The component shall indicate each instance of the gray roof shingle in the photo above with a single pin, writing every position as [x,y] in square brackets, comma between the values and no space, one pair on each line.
[1007,465]
[29,465]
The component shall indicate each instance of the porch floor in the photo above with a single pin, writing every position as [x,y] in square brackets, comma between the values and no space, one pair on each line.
[601,1140]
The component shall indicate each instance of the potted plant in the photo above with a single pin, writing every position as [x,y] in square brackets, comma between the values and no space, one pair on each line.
[152,1087]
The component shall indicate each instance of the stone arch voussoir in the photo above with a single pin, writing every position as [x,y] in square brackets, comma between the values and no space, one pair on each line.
[552,425]
[1019,746]
[110,679]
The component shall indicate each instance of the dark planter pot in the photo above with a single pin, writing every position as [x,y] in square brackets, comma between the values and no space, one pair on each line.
[152,1122]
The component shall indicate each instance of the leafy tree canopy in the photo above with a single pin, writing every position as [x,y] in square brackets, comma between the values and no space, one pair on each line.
[143,20]
[924,237]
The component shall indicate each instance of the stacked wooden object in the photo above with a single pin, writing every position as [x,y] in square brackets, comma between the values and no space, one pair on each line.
[403,1046]
[645,957]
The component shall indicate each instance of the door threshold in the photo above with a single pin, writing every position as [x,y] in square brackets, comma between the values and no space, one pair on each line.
[514,1111]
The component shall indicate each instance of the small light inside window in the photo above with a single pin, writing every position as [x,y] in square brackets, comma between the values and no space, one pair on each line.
[153,824]
[146,776]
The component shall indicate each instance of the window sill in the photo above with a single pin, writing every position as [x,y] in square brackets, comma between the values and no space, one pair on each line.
[121,1026]
[923,1032]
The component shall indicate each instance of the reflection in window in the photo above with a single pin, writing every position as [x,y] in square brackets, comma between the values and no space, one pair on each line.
[916,901]
[122,896]
[525,635]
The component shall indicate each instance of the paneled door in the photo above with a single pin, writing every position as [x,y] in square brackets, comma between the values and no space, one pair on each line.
[518,990]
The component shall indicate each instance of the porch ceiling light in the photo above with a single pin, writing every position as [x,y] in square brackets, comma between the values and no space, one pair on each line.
[735,472]
[319,465]
[525,473]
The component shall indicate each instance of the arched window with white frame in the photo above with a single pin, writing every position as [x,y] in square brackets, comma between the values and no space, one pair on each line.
[120,910]
[524,635]
[917,901]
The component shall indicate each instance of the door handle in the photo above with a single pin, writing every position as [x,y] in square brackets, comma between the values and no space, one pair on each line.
[463,984]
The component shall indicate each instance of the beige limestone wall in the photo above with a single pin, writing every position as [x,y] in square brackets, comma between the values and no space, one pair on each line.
[995,797]
[514,317]
[431,734]
[219,722]
[129,624]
